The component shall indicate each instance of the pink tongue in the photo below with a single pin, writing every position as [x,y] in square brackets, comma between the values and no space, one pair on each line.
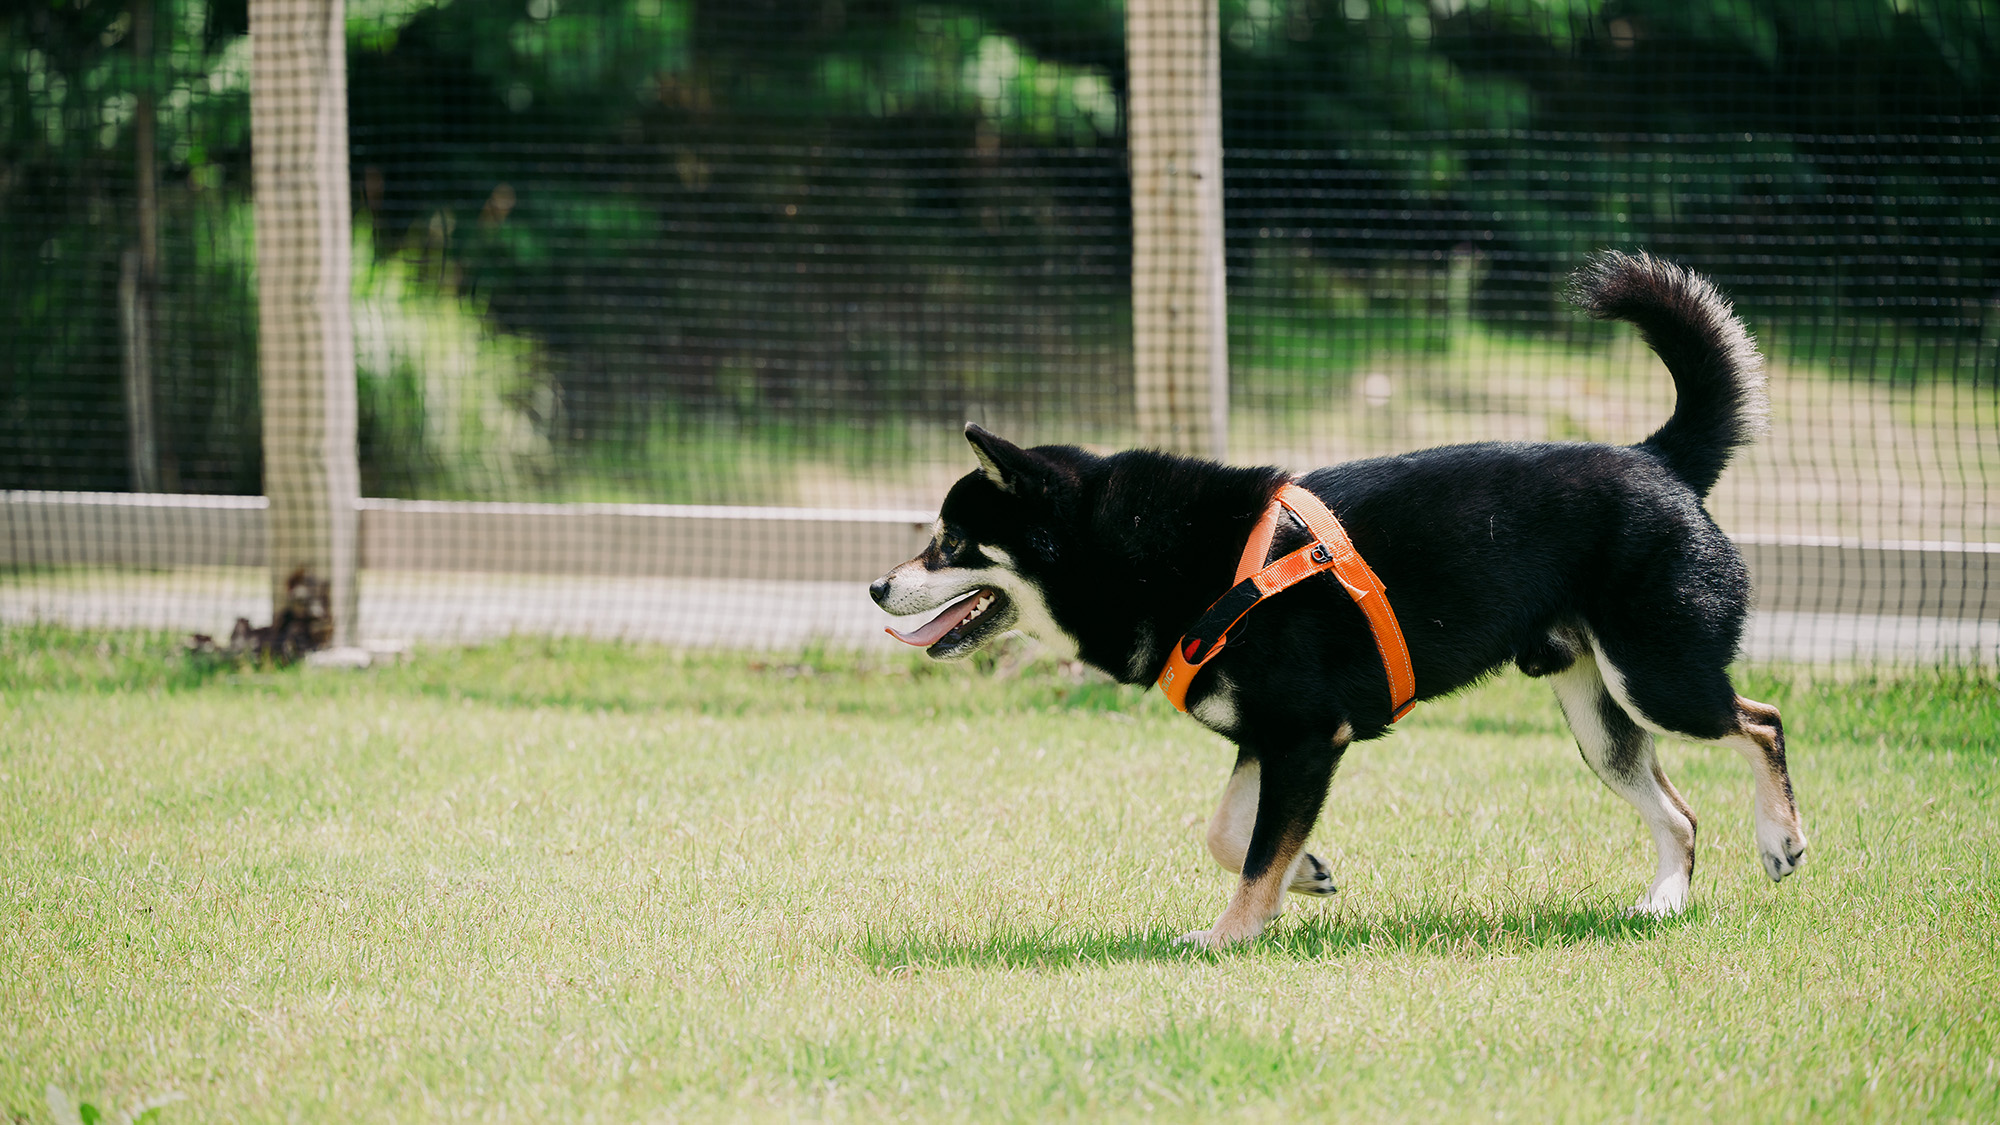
[943,623]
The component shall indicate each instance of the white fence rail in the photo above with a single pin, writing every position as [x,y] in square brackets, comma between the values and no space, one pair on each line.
[773,577]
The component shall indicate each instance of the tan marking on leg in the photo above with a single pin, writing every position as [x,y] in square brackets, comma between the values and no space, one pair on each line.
[1255,902]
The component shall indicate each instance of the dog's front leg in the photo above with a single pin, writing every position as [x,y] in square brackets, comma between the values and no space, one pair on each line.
[1291,786]
[1235,816]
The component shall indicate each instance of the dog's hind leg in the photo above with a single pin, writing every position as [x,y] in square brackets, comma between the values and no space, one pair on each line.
[1291,786]
[1235,816]
[1690,696]
[1781,834]
[1621,753]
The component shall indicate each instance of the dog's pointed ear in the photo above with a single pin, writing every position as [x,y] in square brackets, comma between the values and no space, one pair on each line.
[1007,465]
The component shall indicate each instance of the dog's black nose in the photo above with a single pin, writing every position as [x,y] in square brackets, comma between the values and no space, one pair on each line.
[879,589]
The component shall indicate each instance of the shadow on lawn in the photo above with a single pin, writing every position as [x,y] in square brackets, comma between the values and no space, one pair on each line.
[1444,932]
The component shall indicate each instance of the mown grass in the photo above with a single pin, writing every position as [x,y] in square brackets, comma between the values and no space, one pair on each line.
[559,880]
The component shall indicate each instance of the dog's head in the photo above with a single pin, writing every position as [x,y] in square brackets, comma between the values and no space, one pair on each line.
[991,552]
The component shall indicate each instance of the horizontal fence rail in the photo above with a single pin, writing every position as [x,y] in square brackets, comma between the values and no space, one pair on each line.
[1817,597]
[158,532]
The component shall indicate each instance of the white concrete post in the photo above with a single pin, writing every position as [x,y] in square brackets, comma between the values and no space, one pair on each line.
[1179,310]
[305,344]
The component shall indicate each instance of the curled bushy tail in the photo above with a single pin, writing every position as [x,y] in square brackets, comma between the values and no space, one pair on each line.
[1718,375]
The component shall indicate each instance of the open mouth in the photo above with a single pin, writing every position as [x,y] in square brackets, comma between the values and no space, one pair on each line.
[963,626]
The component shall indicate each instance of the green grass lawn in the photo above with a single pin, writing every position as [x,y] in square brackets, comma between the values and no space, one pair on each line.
[566,881]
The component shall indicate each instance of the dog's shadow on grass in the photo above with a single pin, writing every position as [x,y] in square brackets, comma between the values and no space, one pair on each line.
[1445,932]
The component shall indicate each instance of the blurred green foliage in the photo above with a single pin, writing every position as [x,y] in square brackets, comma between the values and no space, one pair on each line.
[667,212]
[69,92]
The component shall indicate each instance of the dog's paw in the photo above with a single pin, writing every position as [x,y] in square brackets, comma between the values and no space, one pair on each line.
[1781,841]
[1785,856]
[1664,900]
[1312,878]
[1226,932]
[1210,939]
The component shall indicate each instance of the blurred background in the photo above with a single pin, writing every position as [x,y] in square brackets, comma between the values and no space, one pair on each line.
[636,283]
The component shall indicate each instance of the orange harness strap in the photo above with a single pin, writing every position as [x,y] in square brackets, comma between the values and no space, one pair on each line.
[1329,550]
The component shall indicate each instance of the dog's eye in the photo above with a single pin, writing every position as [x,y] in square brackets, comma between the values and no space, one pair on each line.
[951,543]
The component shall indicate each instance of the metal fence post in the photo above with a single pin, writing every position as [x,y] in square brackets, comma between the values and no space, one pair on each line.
[305,341]
[1179,314]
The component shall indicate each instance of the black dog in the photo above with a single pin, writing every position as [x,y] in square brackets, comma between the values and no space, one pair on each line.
[1593,565]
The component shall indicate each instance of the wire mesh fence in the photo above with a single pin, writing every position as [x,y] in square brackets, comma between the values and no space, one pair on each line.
[665,314]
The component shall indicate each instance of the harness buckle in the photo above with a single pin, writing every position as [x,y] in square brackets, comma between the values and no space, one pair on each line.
[1320,554]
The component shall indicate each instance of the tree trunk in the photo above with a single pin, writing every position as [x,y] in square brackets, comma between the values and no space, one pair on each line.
[138,280]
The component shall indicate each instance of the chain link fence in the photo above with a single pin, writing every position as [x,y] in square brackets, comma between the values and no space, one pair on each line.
[665,314]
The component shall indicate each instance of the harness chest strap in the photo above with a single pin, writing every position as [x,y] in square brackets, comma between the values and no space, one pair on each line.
[1330,549]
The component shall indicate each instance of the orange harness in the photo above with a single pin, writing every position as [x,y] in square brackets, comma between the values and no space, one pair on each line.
[1329,550]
